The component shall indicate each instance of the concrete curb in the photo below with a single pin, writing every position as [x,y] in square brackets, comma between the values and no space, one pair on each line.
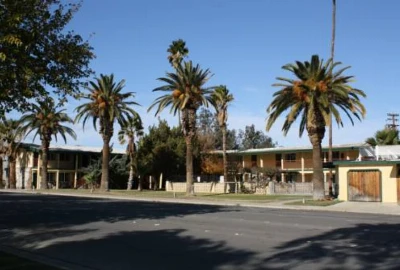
[349,207]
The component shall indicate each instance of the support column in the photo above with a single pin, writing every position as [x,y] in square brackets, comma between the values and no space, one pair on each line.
[57,179]
[76,171]
[282,168]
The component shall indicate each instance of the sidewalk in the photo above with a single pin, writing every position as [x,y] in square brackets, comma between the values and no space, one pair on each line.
[351,207]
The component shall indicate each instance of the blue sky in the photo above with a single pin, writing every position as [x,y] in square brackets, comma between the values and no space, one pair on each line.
[245,44]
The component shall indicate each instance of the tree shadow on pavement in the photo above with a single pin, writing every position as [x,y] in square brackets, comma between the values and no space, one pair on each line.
[29,211]
[155,249]
[364,246]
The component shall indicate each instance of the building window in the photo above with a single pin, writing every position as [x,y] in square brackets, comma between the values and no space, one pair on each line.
[290,157]
[253,161]
[64,157]
[335,155]
[52,156]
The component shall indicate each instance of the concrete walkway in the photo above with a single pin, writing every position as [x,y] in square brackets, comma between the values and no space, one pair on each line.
[351,207]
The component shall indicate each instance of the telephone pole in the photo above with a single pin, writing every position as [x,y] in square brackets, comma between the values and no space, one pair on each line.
[392,119]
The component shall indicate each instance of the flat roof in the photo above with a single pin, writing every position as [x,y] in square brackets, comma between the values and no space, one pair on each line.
[72,148]
[342,147]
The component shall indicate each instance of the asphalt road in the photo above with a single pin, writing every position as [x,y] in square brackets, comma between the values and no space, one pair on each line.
[85,233]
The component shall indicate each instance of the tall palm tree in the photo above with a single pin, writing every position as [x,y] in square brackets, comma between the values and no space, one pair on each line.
[177,51]
[185,94]
[10,140]
[46,121]
[313,95]
[384,137]
[221,100]
[106,105]
[330,143]
[128,133]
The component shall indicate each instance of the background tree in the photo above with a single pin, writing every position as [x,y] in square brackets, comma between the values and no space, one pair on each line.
[308,98]
[106,105]
[221,99]
[161,150]
[128,133]
[251,138]
[177,51]
[209,133]
[186,93]
[10,140]
[46,121]
[384,137]
[37,52]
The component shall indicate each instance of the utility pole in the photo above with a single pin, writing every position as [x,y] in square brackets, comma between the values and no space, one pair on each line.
[393,119]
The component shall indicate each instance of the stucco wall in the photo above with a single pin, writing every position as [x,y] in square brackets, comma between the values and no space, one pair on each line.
[388,178]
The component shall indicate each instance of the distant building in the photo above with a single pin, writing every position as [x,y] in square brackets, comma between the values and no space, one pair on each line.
[65,165]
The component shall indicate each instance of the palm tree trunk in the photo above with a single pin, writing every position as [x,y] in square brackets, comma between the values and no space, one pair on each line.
[140,184]
[104,185]
[330,154]
[130,179]
[318,174]
[12,180]
[189,166]
[131,153]
[1,172]
[224,154]
[45,162]
[189,126]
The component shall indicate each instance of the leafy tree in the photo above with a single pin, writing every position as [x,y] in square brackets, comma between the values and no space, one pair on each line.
[162,150]
[209,132]
[37,53]
[117,168]
[10,140]
[384,137]
[185,93]
[252,138]
[221,99]
[316,92]
[177,51]
[128,134]
[106,105]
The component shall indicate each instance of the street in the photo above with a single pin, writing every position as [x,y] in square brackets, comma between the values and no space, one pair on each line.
[92,233]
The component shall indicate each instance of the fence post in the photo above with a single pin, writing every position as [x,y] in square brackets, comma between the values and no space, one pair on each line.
[271,187]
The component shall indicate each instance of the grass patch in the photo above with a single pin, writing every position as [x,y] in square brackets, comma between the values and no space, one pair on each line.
[12,262]
[314,203]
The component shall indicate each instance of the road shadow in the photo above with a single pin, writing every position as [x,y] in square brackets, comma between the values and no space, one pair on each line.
[156,249]
[364,246]
[32,211]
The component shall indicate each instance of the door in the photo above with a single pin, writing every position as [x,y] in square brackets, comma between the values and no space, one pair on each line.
[364,186]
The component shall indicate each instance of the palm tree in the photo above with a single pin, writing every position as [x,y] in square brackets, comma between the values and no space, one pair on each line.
[185,94]
[128,133]
[384,137]
[313,95]
[10,140]
[106,105]
[177,51]
[46,121]
[330,143]
[221,99]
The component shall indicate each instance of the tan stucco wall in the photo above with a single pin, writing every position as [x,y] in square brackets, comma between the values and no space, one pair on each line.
[266,161]
[388,177]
